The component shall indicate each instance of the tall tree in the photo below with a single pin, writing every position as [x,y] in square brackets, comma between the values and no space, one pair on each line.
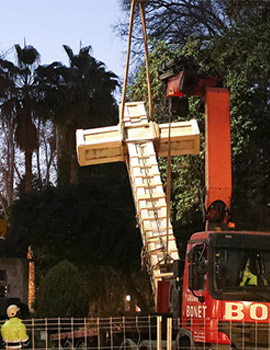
[173,21]
[8,73]
[241,58]
[26,107]
[78,96]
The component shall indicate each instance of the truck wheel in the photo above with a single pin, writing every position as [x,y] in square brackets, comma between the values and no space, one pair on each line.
[128,344]
[67,344]
[182,343]
[185,344]
[80,345]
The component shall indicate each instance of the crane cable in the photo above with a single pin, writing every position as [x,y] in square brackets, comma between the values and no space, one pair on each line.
[150,106]
[127,61]
[150,101]
[168,188]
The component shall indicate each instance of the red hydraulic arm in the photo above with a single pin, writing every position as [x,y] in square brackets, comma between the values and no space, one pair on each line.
[218,175]
[182,80]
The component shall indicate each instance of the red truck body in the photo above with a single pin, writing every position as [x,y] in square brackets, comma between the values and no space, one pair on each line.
[225,291]
[229,308]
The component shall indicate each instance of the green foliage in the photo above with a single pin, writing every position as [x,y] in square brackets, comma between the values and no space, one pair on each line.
[93,222]
[108,288]
[187,171]
[68,290]
[241,58]
[62,293]
[76,97]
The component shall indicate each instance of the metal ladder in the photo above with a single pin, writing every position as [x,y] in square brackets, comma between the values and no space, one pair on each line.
[150,201]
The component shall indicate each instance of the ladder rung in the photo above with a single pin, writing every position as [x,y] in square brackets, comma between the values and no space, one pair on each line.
[148,155]
[156,184]
[153,207]
[153,238]
[151,229]
[153,196]
[155,201]
[147,175]
[164,275]
[144,165]
[153,218]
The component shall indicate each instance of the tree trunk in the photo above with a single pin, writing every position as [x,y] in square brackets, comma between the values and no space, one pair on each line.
[74,166]
[63,156]
[28,171]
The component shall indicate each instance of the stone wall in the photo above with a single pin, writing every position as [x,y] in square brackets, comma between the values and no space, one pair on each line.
[16,277]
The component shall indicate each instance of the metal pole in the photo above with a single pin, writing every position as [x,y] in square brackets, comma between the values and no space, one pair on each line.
[33,334]
[59,333]
[98,328]
[111,332]
[72,333]
[169,334]
[159,332]
[46,333]
[124,331]
[85,331]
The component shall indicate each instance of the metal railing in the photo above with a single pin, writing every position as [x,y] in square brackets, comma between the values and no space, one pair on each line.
[144,333]
[92,333]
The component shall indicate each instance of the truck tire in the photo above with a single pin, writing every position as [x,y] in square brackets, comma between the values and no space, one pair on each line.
[80,345]
[183,342]
[128,344]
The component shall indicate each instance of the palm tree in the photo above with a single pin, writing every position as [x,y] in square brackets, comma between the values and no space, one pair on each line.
[77,96]
[8,73]
[26,133]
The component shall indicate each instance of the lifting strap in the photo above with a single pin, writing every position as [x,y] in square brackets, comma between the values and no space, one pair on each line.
[150,105]
[168,185]
[150,102]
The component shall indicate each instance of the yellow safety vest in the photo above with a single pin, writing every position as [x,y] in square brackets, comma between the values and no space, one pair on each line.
[249,279]
[14,334]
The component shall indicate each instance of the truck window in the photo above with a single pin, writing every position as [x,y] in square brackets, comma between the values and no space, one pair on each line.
[241,268]
[202,277]
[197,257]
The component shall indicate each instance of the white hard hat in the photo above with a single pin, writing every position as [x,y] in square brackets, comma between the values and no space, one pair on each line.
[12,310]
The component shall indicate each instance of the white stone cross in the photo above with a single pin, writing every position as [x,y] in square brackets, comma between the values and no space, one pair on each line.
[138,142]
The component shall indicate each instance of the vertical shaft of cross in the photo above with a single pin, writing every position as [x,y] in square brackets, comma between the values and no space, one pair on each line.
[150,200]
[138,142]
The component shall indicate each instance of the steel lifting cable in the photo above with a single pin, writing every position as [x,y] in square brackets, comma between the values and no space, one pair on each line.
[127,61]
[168,187]
[150,102]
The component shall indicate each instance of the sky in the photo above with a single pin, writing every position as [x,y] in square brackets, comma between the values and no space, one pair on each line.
[48,24]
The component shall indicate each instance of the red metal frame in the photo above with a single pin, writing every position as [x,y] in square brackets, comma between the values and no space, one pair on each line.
[173,85]
[218,174]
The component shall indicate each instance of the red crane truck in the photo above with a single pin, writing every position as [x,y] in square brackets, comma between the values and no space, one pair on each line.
[222,291]
[219,297]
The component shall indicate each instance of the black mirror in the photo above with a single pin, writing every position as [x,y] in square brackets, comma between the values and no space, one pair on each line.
[203,267]
[193,276]
[198,267]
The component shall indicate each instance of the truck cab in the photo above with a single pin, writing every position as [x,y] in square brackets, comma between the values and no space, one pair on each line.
[226,290]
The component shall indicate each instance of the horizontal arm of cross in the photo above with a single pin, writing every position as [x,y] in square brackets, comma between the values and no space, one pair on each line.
[106,145]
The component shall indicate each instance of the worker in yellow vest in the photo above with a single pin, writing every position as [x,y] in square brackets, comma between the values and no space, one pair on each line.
[248,278]
[252,276]
[13,331]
